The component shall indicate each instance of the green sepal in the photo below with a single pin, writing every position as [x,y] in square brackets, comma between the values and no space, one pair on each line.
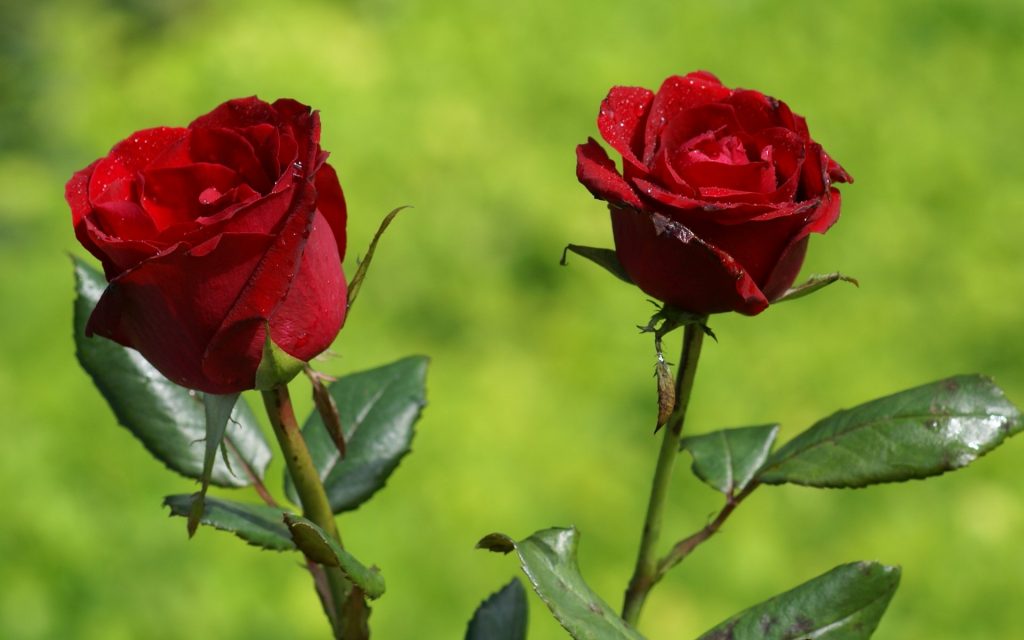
[323,549]
[812,284]
[276,366]
[548,558]
[604,258]
[218,412]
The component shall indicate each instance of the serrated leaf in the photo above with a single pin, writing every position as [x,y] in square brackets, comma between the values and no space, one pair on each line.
[257,524]
[604,258]
[379,409]
[502,616]
[916,433]
[168,419]
[548,558]
[324,549]
[814,283]
[728,460]
[844,604]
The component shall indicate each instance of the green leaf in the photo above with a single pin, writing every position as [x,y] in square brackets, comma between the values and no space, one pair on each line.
[549,559]
[218,412]
[257,524]
[276,365]
[844,604]
[168,419]
[502,616]
[917,433]
[378,410]
[812,284]
[728,460]
[604,258]
[324,549]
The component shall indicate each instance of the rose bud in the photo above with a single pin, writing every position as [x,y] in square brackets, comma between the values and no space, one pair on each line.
[212,234]
[718,193]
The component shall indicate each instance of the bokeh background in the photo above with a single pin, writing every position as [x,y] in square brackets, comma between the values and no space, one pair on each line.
[541,393]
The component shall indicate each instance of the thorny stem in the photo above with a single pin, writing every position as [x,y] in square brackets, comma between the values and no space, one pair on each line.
[645,574]
[349,621]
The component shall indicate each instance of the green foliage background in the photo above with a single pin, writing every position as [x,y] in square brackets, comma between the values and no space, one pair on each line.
[541,393]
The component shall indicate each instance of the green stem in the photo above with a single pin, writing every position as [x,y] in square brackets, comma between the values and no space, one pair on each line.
[317,508]
[645,574]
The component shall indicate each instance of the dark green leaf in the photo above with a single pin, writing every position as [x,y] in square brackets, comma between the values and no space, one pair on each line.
[815,282]
[844,604]
[502,616]
[549,559]
[728,460]
[257,524]
[604,258]
[169,420]
[378,410]
[324,549]
[917,433]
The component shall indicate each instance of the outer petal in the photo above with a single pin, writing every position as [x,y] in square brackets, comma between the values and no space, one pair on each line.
[621,121]
[597,173]
[330,201]
[667,261]
[243,327]
[170,306]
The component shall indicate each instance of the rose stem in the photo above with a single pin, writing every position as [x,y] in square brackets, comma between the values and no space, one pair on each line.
[315,504]
[645,574]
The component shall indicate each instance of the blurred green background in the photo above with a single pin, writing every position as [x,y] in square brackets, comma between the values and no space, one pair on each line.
[541,393]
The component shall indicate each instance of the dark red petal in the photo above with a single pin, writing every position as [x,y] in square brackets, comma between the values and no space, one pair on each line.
[76,193]
[130,156]
[621,121]
[597,173]
[787,269]
[169,308]
[677,95]
[313,312]
[237,114]
[263,292]
[757,177]
[231,149]
[754,110]
[174,195]
[330,201]
[789,262]
[757,244]
[670,263]
[836,173]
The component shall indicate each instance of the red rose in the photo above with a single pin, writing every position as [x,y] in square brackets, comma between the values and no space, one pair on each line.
[211,233]
[719,191]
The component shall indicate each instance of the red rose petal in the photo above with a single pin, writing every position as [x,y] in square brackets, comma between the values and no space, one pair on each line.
[330,200]
[597,173]
[676,96]
[675,266]
[621,121]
